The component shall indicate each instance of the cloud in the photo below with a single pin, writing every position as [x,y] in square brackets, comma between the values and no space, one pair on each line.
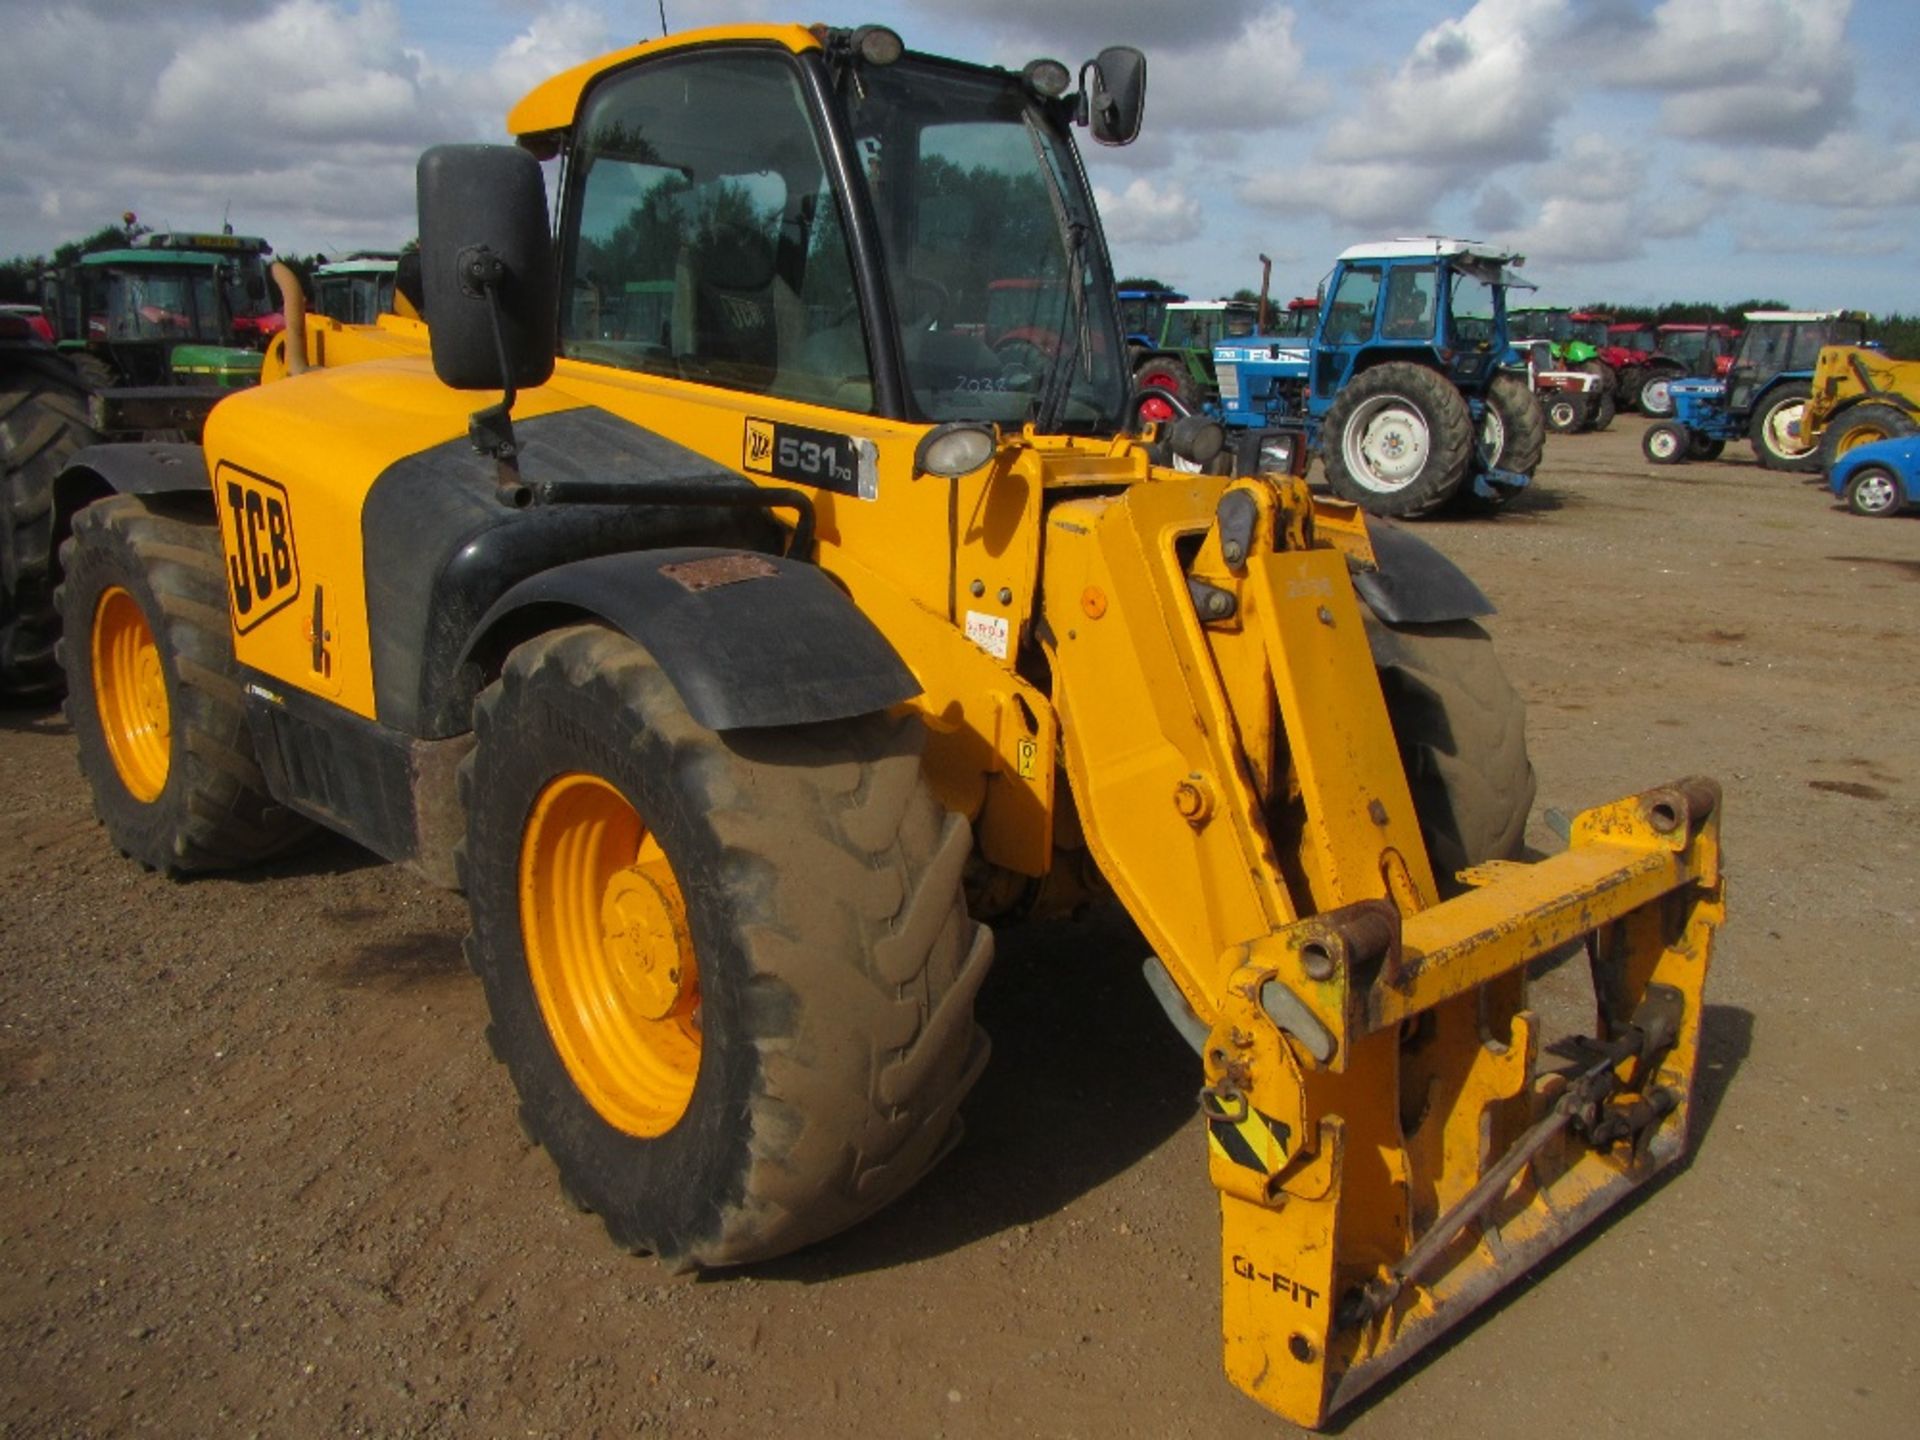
[1145,215]
[1751,72]
[1850,170]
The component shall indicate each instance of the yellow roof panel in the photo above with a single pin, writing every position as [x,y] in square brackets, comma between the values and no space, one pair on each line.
[553,103]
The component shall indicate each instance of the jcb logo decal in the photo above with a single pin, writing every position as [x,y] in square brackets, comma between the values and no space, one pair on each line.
[760,446]
[256,523]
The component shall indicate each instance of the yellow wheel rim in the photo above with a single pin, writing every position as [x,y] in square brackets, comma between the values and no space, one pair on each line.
[610,954]
[130,695]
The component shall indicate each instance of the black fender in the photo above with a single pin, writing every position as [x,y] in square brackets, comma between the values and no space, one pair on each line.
[146,468]
[748,639]
[1413,583]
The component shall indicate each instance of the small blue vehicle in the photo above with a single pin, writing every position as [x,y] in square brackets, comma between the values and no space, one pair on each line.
[1764,397]
[1408,387]
[1879,478]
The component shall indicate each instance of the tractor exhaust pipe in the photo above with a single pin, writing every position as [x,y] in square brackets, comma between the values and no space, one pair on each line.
[293,304]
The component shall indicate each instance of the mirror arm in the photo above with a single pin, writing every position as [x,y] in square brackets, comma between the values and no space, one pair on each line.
[491,429]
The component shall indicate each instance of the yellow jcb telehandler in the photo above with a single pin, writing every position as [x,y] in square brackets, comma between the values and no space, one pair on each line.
[1859,395]
[808,601]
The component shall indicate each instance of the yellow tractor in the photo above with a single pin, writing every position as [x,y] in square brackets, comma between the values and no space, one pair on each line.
[797,612]
[1859,396]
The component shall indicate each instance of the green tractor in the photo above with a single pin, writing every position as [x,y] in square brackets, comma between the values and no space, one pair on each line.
[1182,363]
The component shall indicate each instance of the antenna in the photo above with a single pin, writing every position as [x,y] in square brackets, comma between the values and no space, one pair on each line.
[663,19]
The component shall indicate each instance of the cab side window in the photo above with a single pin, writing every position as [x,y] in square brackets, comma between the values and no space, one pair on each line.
[707,242]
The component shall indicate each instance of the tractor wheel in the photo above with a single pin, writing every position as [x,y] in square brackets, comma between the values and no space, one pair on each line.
[731,976]
[1602,372]
[1861,425]
[95,373]
[1655,399]
[1667,443]
[1513,411]
[1604,409]
[1777,429]
[153,693]
[1165,373]
[1874,491]
[1699,447]
[43,421]
[1397,440]
[1626,390]
[1462,733]
[1566,413]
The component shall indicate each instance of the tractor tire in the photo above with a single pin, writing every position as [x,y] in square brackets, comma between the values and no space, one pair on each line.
[1776,426]
[153,693]
[1522,426]
[1461,729]
[1566,414]
[731,976]
[1654,399]
[1862,424]
[1604,373]
[1170,374]
[1626,390]
[1604,409]
[1397,440]
[1667,443]
[95,374]
[43,422]
[1699,447]
[1874,491]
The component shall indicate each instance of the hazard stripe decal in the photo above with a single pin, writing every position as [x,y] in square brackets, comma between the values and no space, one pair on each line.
[1257,1142]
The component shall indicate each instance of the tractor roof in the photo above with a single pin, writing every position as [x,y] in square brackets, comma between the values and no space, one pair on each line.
[1787,317]
[1410,247]
[149,259]
[194,240]
[1211,305]
[360,265]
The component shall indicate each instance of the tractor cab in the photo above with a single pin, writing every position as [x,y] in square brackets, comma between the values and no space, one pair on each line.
[1143,314]
[1778,343]
[358,289]
[243,278]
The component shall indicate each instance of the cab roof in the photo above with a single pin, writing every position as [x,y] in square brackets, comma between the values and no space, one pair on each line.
[552,104]
[1422,247]
[1785,317]
[196,259]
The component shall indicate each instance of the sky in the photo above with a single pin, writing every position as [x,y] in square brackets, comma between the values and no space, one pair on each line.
[1633,150]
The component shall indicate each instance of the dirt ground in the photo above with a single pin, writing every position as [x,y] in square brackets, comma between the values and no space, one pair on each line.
[259,1175]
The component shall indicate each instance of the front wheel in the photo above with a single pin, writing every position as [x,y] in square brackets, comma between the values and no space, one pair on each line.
[1874,491]
[153,693]
[731,975]
[1666,443]
[1565,414]
[1778,429]
[1461,729]
[1162,373]
[1655,398]
[1513,436]
[1397,440]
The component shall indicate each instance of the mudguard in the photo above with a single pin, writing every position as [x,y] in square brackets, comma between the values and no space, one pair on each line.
[748,639]
[1414,583]
[140,469]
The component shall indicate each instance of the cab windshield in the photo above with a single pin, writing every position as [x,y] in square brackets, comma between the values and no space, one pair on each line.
[998,276]
[172,303]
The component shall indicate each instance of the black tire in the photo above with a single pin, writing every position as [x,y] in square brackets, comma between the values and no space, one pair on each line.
[1461,729]
[94,373]
[1776,426]
[1699,447]
[1523,427]
[1667,443]
[1165,372]
[1876,492]
[1653,398]
[1395,412]
[214,811]
[1607,376]
[1862,424]
[836,963]
[1604,409]
[43,421]
[1626,389]
[1566,413]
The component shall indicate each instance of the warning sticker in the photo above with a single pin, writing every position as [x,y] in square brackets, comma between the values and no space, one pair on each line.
[992,633]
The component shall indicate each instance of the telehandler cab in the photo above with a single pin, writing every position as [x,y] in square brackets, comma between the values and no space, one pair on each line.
[740,669]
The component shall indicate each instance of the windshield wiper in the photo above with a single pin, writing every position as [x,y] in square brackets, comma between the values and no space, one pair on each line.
[1050,404]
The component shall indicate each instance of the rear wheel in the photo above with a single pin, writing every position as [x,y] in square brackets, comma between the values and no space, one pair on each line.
[1862,425]
[1778,431]
[732,976]
[1655,399]
[1462,735]
[1666,443]
[153,693]
[1604,409]
[1874,491]
[43,422]
[1397,440]
[1521,427]
[1163,373]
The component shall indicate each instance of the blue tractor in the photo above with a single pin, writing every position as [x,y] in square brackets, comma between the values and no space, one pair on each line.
[1764,397]
[1408,388]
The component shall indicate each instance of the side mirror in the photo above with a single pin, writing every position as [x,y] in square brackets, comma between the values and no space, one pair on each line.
[1117,98]
[483,228]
